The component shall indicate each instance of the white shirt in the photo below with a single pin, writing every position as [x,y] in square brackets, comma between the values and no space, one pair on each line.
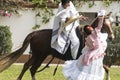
[66,13]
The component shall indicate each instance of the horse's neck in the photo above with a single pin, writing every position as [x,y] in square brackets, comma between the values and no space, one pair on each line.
[82,35]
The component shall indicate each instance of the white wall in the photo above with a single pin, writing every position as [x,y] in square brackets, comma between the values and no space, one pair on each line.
[21,26]
[114,7]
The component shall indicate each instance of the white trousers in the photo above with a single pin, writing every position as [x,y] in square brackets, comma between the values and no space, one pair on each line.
[60,43]
[74,42]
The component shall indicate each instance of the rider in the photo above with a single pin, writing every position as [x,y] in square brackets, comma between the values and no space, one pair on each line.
[62,35]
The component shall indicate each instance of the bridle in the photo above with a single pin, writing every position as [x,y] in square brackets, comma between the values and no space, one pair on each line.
[107,25]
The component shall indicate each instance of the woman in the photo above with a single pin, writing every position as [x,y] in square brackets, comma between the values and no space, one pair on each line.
[89,66]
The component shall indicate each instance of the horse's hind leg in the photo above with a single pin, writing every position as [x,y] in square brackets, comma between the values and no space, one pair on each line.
[37,63]
[25,67]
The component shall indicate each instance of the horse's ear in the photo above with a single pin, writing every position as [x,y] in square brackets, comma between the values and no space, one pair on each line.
[108,15]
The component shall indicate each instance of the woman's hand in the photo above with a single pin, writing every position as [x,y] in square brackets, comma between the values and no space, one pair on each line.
[101,13]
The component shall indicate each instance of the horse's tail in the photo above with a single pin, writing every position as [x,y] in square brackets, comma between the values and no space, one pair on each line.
[7,60]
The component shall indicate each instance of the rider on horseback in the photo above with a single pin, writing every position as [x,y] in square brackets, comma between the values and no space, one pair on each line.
[64,31]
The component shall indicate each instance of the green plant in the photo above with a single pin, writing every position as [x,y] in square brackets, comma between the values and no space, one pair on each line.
[107,2]
[113,51]
[44,11]
[8,7]
[5,40]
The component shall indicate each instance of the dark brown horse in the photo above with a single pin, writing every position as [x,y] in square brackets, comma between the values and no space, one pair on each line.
[40,48]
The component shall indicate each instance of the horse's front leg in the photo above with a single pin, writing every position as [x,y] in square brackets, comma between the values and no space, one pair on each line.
[107,70]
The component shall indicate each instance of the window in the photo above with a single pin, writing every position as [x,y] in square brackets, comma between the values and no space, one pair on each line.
[90,15]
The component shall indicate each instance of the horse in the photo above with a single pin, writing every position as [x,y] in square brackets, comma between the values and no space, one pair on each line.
[40,46]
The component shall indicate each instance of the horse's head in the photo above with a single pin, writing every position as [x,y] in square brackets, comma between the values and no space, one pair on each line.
[107,26]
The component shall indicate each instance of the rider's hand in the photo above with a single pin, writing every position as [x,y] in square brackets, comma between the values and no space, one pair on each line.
[83,18]
[68,18]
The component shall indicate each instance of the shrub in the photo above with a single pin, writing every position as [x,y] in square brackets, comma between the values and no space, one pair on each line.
[5,40]
[113,50]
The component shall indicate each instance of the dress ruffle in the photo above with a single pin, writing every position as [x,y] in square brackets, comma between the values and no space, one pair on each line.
[73,70]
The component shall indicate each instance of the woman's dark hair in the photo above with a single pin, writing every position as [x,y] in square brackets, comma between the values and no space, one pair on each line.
[88,29]
[65,1]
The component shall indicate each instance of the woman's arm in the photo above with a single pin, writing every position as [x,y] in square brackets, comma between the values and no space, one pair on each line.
[101,14]
[97,30]
[100,22]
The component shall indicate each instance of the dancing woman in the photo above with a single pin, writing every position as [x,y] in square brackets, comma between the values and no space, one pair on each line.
[89,66]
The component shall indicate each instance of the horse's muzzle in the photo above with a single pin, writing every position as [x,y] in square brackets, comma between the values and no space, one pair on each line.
[111,37]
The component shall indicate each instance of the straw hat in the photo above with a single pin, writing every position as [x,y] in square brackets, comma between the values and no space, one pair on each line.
[70,20]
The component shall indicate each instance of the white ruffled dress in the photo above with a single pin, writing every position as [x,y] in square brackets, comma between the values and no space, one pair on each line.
[75,70]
